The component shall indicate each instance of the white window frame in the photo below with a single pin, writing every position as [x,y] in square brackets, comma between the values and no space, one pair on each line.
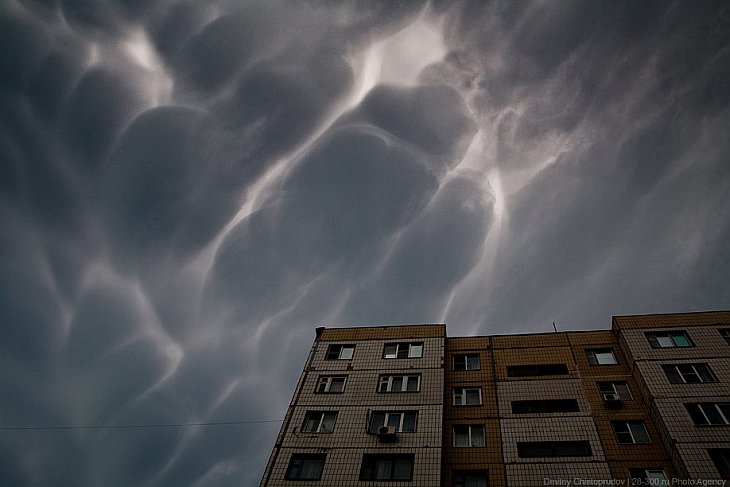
[694,372]
[414,350]
[614,390]
[345,352]
[716,406]
[627,428]
[667,339]
[466,356]
[595,356]
[387,381]
[319,418]
[390,414]
[460,396]
[327,381]
[470,435]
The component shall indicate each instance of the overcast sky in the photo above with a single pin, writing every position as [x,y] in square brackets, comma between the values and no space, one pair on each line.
[189,188]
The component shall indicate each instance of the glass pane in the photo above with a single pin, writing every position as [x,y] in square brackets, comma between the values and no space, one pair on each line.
[605,358]
[459,362]
[383,386]
[333,352]
[672,374]
[477,436]
[394,421]
[416,351]
[713,414]
[461,436]
[412,383]
[475,481]
[402,470]
[664,341]
[347,352]
[473,362]
[338,384]
[311,469]
[403,350]
[656,474]
[695,413]
[681,340]
[409,422]
[390,351]
[622,389]
[472,397]
[639,433]
[377,421]
[310,423]
[397,384]
[705,373]
[328,423]
[383,469]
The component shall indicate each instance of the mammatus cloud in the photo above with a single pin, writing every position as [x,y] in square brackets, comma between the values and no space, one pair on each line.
[188,188]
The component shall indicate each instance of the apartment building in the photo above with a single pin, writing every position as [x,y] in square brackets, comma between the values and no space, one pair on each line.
[646,402]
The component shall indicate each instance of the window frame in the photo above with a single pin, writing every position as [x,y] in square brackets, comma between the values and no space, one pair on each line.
[644,473]
[370,462]
[677,373]
[310,415]
[553,449]
[630,432]
[705,410]
[327,381]
[463,394]
[721,459]
[592,354]
[725,333]
[386,420]
[470,435]
[466,357]
[657,339]
[409,348]
[615,390]
[406,380]
[300,458]
[339,348]
[461,477]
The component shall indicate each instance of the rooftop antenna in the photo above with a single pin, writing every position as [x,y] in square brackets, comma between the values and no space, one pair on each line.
[555,327]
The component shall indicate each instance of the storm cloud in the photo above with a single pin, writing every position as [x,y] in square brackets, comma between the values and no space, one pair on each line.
[187,189]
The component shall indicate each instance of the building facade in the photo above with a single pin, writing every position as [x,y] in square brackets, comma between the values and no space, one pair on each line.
[645,403]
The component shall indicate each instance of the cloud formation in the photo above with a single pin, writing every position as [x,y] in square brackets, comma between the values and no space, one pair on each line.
[188,188]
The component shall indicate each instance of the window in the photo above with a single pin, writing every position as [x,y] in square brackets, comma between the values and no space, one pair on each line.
[305,466]
[725,333]
[471,478]
[469,436]
[331,384]
[543,449]
[621,389]
[538,369]
[402,421]
[340,352]
[601,356]
[707,413]
[399,383]
[630,432]
[689,373]
[669,339]
[545,406]
[648,473]
[386,467]
[721,458]
[403,350]
[319,421]
[467,362]
[467,396]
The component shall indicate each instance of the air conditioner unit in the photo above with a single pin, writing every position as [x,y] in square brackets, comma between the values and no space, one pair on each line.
[387,434]
[613,401]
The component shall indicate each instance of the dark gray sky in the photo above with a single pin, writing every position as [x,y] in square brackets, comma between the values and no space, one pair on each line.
[189,188]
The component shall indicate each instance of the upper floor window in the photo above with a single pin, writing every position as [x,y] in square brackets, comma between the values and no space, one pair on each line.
[467,396]
[386,466]
[545,406]
[467,362]
[331,384]
[620,389]
[601,356]
[689,373]
[319,421]
[469,436]
[399,383]
[628,432]
[402,421]
[471,478]
[340,352]
[669,339]
[646,474]
[544,449]
[707,413]
[536,369]
[721,458]
[305,466]
[403,350]
[725,333]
